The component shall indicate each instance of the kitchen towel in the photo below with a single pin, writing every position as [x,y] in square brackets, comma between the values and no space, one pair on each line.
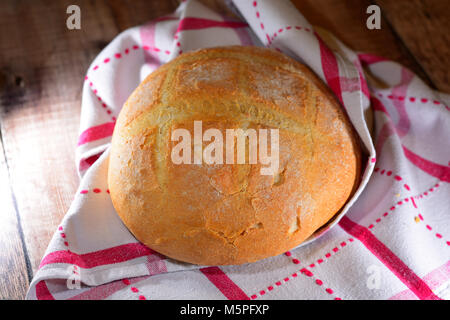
[391,241]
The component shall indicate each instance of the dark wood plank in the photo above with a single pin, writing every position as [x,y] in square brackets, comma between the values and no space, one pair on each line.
[347,20]
[44,64]
[423,27]
[129,14]
[14,277]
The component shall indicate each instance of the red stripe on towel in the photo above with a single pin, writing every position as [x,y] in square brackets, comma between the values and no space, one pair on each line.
[228,288]
[330,68]
[113,255]
[389,259]
[97,132]
[367,58]
[433,169]
[42,292]
[201,23]
[88,162]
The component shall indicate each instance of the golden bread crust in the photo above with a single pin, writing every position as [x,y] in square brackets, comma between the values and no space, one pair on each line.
[231,214]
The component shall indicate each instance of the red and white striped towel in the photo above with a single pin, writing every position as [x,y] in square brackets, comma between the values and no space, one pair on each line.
[393,242]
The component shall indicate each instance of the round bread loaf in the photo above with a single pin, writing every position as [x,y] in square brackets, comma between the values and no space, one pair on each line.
[225,214]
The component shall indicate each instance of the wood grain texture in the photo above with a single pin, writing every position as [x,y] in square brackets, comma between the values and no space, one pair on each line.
[129,14]
[13,261]
[41,116]
[42,65]
[423,27]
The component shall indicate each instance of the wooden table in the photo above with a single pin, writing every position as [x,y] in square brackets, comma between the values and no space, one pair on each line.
[42,65]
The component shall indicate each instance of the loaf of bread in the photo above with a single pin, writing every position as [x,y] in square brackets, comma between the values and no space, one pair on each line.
[231,213]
